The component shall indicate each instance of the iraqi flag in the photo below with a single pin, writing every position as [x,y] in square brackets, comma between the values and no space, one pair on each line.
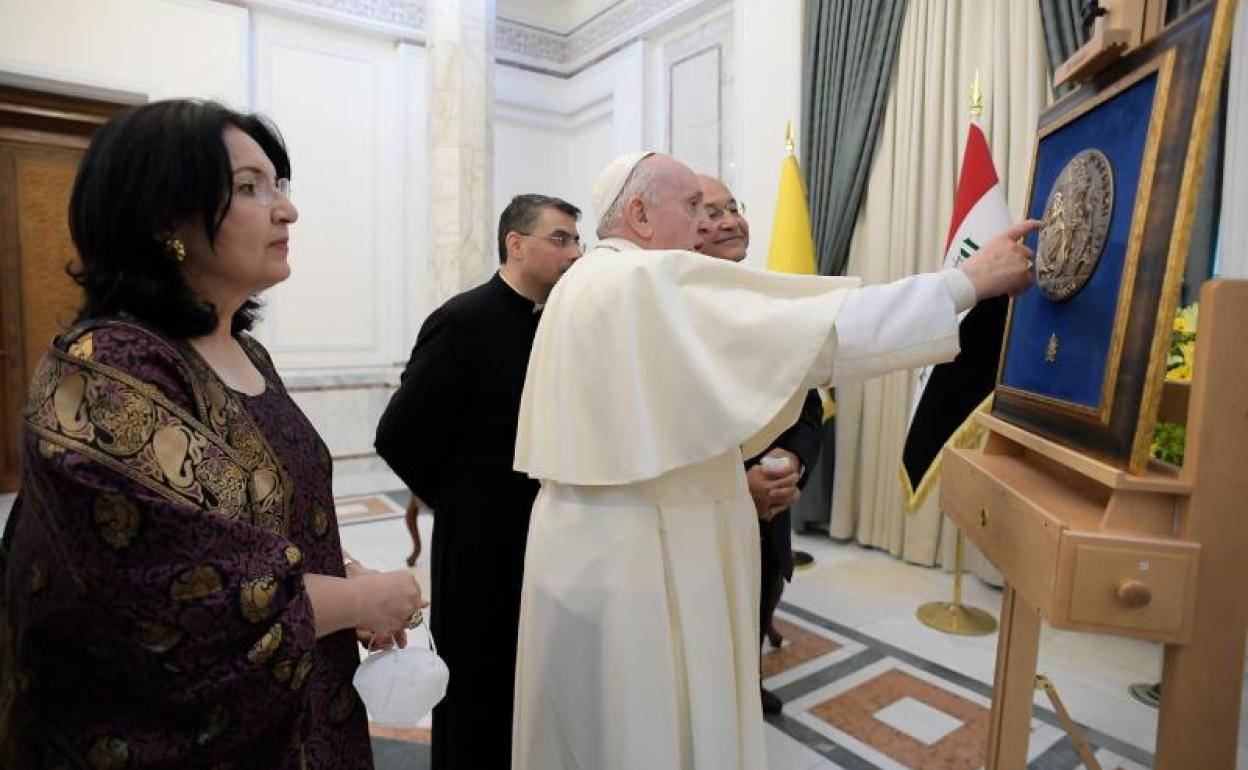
[948,394]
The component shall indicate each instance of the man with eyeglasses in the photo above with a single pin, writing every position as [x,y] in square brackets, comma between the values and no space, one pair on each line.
[449,432]
[774,484]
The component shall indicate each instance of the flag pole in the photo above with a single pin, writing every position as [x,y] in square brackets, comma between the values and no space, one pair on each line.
[977,97]
[955,617]
[800,558]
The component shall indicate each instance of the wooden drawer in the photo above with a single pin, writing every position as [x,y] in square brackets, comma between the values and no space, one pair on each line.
[1142,587]
[1017,536]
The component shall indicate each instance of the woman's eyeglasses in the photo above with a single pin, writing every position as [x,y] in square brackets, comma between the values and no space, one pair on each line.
[262,190]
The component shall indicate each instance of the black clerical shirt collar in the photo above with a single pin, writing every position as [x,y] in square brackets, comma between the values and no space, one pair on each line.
[537,306]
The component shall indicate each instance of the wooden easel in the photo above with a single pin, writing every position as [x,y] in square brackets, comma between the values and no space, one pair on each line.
[1160,556]
[1123,25]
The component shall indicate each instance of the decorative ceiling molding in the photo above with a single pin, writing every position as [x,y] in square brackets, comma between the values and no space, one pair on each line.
[404,19]
[557,19]
[403,13]
[516,43]
[610,29]
[621,23]
[528,41]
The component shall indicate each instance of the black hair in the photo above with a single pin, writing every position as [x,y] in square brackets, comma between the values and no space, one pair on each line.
[521,215]
[146,171]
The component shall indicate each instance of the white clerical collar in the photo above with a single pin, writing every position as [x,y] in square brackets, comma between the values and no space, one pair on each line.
[616,244]
[537,306]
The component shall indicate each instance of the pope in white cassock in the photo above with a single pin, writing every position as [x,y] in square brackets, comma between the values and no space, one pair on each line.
[654,371]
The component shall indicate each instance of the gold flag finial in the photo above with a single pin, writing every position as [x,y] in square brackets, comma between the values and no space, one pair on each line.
[788,138]
[977,97]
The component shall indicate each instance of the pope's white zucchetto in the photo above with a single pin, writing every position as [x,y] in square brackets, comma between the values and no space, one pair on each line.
[611,180]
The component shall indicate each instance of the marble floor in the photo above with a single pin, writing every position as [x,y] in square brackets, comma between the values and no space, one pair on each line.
[865,685]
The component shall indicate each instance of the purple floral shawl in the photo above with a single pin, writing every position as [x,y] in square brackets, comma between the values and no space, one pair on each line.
[153,570]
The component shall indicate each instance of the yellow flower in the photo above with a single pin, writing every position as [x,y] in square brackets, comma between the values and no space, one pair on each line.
[1181,359]
[1190,314]
[1181,373]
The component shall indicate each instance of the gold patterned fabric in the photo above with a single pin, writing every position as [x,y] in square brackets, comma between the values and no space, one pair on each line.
[175,518]
[216,459]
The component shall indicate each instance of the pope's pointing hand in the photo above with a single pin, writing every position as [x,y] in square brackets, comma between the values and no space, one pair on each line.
[1003,265]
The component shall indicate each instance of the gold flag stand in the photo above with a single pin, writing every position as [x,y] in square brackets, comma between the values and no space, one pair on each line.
[954,617]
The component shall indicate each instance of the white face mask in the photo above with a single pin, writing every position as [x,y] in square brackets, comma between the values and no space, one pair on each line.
[399,687]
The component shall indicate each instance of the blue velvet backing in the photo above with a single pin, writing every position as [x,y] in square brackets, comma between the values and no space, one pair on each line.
[1084,324]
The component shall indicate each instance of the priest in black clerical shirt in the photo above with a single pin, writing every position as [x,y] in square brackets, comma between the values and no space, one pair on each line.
[450,433]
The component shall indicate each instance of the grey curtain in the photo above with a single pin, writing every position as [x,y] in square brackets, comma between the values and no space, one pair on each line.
[1063,30]
[1205,228]
[850,51]
[849,54]
[1176,8]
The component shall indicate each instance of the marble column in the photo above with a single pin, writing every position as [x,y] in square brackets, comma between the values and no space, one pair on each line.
[461,143]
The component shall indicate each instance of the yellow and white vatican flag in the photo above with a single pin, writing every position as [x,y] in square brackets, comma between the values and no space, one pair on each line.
[948,394]
[792,248]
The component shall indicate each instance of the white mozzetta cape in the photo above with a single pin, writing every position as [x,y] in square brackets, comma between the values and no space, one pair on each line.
[639,639]
[672,357]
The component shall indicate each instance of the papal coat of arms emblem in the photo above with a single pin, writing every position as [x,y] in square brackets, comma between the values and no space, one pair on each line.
[1076,222]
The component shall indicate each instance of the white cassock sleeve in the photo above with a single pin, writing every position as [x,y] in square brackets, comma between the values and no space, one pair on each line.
[884,328]
[650,361]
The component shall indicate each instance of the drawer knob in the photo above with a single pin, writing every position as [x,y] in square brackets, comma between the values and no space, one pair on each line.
[983,517]
[1134,594]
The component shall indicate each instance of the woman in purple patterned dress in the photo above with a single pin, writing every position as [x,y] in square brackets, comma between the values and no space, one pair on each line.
[175,594]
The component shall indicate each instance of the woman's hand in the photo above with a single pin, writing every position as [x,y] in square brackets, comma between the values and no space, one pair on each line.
[371,640]
[368,639]
[377,602]
[383,641]
[388,600]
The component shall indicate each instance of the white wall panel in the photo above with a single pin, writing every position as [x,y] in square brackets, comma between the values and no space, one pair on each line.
[690,96]
[553,135]
[531,158]
[693,109]
[594,146]
[414,293]
[768,75]
[336,98]
[155,48]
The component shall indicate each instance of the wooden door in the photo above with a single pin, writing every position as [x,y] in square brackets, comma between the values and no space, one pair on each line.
[42,139]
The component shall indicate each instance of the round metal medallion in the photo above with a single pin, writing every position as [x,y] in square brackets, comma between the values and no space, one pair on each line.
[1076,222]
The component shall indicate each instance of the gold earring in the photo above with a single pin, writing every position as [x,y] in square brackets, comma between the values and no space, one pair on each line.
[176,249]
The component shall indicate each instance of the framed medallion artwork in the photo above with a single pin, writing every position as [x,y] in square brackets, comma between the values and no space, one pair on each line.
[1115,179]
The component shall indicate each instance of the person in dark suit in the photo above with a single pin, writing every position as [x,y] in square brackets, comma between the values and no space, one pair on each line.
[449,432]
[775,483]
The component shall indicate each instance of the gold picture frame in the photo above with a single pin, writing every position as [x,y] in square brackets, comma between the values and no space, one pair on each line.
[1188,60]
